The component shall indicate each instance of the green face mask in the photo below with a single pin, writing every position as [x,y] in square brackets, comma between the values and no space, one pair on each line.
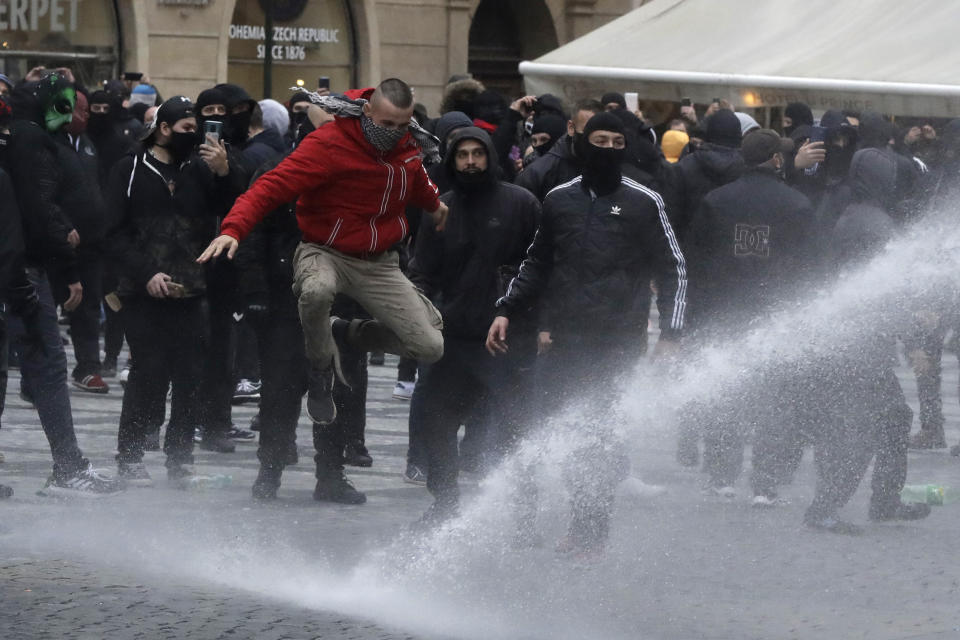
[59,109]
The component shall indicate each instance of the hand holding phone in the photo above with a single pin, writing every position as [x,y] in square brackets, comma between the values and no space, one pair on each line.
[212,130]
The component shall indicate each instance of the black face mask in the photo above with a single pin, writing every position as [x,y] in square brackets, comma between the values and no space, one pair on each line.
[470,181]
[302,127]
[601,167]
[237,127]
[181,144]
[99,123]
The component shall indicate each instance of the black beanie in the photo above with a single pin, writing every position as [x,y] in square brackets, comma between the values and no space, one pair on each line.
[608,122]
[210,96]
[614,97]
[723,128]
[799,113]
[550,123]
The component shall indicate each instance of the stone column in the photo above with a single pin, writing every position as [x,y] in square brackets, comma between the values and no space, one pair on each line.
[580,16]
[458,37]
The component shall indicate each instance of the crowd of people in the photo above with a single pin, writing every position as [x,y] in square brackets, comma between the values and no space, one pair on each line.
[509,252]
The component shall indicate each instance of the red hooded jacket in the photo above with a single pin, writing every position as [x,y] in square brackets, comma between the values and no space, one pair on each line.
[350,196]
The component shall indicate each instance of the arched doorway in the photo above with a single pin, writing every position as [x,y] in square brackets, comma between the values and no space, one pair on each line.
[502,34]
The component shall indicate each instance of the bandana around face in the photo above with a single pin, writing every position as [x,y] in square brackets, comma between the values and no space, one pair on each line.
[380,137]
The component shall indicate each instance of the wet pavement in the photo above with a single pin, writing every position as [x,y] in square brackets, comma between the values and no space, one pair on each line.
[162,563]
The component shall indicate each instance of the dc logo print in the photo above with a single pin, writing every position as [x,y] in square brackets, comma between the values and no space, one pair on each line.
[752,241]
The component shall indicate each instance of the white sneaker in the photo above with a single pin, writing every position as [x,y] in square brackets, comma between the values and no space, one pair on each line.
[727,492]
[636,488]
[403,390]
[85,483]
[768,502]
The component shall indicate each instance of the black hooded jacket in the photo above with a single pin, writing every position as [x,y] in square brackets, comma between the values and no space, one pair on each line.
[750,244]
[462,268]
[37,179]
[11,236]
[557,166]
[159,229]
[592,261]
[697,174]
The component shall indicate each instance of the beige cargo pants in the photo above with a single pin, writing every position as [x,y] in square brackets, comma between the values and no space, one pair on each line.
[405,322]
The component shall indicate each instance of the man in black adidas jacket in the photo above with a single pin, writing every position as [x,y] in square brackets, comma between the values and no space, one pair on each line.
[165,199]
[460,268]
[602,239]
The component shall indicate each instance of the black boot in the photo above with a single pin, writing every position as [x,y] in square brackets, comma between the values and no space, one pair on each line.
[898,511]
[355,454]
[267,482]
[334,487]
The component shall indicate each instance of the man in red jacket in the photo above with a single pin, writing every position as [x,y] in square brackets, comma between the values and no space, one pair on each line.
[352,181]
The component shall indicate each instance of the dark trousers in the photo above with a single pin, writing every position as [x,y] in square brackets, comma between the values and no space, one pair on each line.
[283,370]
[113,326]
[4,358]
[407,370]
[416,438]
[867,415]
[350,425]
[85,319]
[925,349]
[166,339]
[583,373]
[43,368]
[216,381]
[248,353]
[466,385]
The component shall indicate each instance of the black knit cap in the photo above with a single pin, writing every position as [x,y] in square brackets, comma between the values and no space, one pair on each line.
[210,96]
[799,113]
[605,122]
[723,128]
[615,98]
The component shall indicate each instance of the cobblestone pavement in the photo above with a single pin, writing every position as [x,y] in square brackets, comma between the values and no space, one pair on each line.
[160,563]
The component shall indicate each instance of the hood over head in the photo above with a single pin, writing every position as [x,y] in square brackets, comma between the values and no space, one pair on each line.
[723,128]
[236,130]
[492,174]
[950,144]
[461,96]
[873,176]
[447,123]
[799,114]
[747,123]
[275,116]
[875,131]
[490,107]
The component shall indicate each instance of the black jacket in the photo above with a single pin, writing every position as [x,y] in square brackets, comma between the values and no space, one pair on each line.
[696,175]
[38,181]
[159,230]
[750,245]
[262,148]
[488,231]
[556,167]
[592,261]
[81,198]
[11,236]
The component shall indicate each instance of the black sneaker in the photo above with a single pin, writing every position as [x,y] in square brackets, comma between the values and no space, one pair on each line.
[336,488]
[247,391]
[832,524]
[6,491]
[415,475]
[320,406]
[899,511]
[152,441]
[85,483]
[355,454]
[236,433]
[134,474]
[267,482]
[217,442]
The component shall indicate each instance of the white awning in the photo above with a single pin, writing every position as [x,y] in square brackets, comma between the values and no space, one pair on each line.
[890,56]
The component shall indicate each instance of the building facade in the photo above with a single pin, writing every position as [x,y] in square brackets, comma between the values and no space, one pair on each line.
[184,46]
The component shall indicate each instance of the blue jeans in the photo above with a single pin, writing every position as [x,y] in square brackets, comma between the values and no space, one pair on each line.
[43,369]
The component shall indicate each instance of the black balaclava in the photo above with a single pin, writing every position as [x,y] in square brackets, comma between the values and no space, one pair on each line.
[206,98]
[613,97]
[799,114]
[836,165]
[490,107]
[236,129]
[100,123]
[552,124]
[601,165]
[300,125]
